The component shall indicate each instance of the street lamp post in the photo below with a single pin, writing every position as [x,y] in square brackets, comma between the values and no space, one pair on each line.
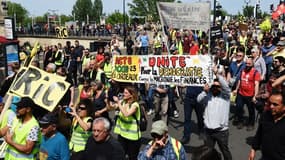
[214,17]
[124,17]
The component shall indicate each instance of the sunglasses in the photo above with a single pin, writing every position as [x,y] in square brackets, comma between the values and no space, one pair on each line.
[44,125]
[156,136]
[81,108]
[239,55]
[216,86]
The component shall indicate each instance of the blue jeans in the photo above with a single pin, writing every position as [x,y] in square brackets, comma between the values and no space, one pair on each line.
[191,103]
[144,50]
[150,99]
[171,101]
[240,102]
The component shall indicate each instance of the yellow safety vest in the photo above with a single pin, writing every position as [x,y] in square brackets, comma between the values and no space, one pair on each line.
[21,132]
[157,43]
[79,137]
[59,61]
[127,126]
[242,40]
[108,70]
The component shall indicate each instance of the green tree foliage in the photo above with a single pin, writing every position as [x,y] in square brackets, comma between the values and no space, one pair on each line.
[145,7]
[20,12]
[81,9]
[116,17]
[248,11]
[97,10]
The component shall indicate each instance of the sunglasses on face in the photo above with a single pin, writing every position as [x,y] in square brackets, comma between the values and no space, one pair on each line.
[81,108]
[44,125]
[156,136]
[216,86]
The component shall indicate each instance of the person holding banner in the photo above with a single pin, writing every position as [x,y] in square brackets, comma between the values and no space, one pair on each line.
[216,100]
[23,137]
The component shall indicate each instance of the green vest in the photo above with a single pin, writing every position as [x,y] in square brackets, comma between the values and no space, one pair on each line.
[6,116]
[59,61]
[127,126]
[157,43]
[108,70]
[180,47]
[79,137]
[21,132]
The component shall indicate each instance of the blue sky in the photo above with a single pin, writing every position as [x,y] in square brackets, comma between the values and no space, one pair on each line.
[39,7]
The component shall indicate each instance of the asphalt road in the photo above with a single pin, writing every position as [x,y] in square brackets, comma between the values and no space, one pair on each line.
[238,139]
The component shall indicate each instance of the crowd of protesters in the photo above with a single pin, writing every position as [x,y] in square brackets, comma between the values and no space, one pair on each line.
[248,68]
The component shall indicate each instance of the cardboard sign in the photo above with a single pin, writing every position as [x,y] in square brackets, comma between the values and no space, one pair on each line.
[216,32]
[44,88]
[243,27]
[163,69]
[61,32]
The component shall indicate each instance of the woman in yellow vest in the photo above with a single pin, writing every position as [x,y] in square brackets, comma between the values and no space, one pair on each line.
[126,126]
[81,125]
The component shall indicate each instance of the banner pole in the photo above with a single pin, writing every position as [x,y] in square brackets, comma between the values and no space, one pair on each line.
[163,29]
[10,96]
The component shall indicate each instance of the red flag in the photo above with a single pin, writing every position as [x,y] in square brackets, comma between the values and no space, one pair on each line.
[279,10]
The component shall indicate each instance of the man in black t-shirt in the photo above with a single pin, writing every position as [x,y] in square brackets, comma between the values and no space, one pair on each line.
[270,133]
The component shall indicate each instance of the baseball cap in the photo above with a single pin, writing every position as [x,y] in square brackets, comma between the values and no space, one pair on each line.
[49,118]
[25,102]
[159,127]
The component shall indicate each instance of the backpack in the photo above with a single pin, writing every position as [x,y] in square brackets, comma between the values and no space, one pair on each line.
[142,122]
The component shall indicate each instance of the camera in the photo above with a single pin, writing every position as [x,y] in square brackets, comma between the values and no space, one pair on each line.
[67,109]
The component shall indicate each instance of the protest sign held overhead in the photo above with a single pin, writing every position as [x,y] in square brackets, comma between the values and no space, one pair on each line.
[44,88]
[61,32]
[194,16]
[163,69]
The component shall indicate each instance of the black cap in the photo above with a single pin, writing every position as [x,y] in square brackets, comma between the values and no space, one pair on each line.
[25,102]
[49,118]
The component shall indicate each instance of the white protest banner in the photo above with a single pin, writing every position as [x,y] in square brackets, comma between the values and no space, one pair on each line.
[195,16]
[44,88]
[163,69]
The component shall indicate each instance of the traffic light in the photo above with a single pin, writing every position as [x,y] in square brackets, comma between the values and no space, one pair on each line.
[218,10]
[4,5]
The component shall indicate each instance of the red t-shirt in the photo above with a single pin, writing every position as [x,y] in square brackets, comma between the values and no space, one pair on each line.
[99,57]
[247,82]
[194,50]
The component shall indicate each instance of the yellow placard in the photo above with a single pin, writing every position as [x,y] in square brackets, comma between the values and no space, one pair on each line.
[44,88]
[61,32]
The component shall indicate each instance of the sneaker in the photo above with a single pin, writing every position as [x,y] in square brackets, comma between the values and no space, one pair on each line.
[175,114]
[150,112]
